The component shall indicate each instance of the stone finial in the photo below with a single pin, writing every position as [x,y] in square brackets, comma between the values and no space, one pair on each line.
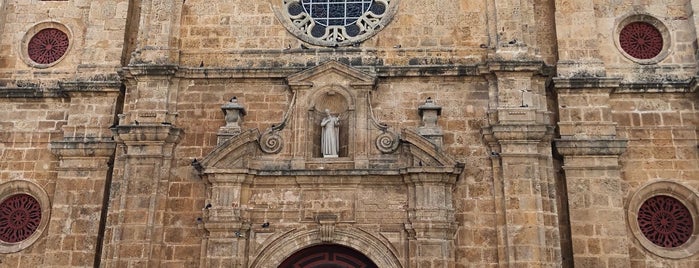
[430,112]
[233,113]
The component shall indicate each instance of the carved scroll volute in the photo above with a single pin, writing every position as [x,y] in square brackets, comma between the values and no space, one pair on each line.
[327,227]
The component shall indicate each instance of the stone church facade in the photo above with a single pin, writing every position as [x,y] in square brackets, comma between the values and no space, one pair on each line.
[470,133]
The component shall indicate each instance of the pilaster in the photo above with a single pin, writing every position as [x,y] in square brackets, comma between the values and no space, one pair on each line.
[591,151]
[431,215]
[158,32]
[519,137]
[577,35]
[138,207]
[85,158]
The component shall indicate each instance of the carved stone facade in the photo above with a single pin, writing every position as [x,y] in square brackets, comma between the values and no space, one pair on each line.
[469,133]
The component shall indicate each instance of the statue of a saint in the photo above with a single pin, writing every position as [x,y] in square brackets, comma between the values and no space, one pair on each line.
[329,141]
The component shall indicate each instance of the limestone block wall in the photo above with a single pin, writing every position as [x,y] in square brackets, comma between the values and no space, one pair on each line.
[27,126]
[250,35]
[95,30]
[661,129]
[675,16]
[395,102]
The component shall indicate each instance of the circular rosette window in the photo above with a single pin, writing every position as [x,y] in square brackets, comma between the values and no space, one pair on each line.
[662,218]
[336,22]
[643,39]
[24,214]
[665,221]
[45,44]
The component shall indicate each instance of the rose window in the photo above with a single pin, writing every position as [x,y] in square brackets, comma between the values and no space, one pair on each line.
[665,221]
[47,46]
[641,40]
[336,22]
[20,216]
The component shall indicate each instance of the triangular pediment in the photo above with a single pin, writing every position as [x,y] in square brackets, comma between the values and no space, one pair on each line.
[331,72]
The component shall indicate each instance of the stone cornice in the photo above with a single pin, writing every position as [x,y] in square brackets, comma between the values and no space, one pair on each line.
[149,70]
[591,147]
[90,86]
[146,133]
[80,148]
[586,82]
[31,92]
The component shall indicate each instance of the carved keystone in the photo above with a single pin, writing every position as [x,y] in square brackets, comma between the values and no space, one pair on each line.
[327,226]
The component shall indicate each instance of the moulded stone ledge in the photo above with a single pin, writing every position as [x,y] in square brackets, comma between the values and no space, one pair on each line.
[518,132]
[150,69]
[78,148]
[90,86]
[586,82]
[513,65]
[591,147]
[141,133]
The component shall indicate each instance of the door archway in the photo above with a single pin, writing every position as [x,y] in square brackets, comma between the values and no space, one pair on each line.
[328,256]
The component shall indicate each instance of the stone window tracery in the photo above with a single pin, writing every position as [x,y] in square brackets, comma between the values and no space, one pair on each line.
[48,46]
[336,22]
[665,221]
[642,39]
[24,214]
[45,44]
[20,216]
[661,216]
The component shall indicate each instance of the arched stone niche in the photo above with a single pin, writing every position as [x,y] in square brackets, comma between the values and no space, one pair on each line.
[338,101]
[344,91]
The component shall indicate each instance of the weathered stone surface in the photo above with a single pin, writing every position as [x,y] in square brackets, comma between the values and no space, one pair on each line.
[545,131]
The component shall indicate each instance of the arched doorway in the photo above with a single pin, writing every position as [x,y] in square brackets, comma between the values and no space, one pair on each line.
[328,256]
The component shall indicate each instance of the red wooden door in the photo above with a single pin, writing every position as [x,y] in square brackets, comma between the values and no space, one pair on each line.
[328,256]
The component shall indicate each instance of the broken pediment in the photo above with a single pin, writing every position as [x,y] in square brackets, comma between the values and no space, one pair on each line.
[328,127]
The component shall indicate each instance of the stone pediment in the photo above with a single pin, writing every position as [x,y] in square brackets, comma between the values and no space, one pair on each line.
[331,72]
[242,154]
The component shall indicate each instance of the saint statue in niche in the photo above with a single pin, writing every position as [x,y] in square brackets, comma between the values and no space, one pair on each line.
[329,140]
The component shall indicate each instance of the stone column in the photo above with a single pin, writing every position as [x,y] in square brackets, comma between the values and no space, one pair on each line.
[519,137]
[86,155]
[591,152]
